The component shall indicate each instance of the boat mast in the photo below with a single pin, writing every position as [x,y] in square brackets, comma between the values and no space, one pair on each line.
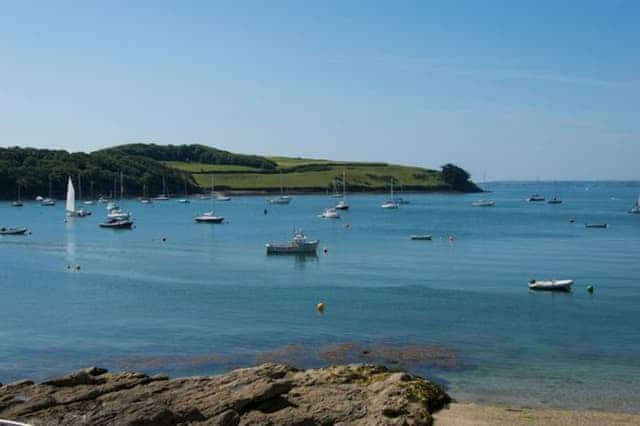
[344,184]
[79,188]
[50,187]
[18,183]
[121,185]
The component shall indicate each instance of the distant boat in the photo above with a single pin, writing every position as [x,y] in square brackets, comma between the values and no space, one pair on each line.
[330,213]
[49,201]
[298,245]
[282,199]
[421,237]
[595,225]
[551,285]
[144,199]
[223,198]
[391,202]
[636,208]
[70,208]
[117,223]
[210,217]
[164,196]
[342,204]
[535,198]
[13,231]
[483,203]
[335,194]
[554,200]
[185,200]
[18,201]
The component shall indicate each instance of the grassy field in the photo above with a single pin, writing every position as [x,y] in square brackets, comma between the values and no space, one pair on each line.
[360,176]
[206,168]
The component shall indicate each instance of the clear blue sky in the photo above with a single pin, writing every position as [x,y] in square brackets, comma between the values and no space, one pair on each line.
[513,89]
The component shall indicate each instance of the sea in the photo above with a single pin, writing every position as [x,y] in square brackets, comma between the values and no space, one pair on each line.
[175,296]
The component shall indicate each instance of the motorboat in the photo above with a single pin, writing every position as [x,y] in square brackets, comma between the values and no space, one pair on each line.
[117,223]
[483,203]
[223,198]
[330,213]
[422,237]
[118,214]
[551,285]
[13,231]
[48,202]
[535,198]
[16,204]
[184,201]
[209,217]
[595,225]
[342,205]
[554,200]
[298,245]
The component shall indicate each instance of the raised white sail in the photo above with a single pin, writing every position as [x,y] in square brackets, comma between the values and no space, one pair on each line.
[71,198]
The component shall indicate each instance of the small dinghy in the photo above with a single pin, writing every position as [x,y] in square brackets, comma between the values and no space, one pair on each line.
[421,237]
[595,225]
[13,231]
[551,285]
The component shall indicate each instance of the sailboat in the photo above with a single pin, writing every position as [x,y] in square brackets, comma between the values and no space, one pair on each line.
[185,200]
[18,202]
[210,216]
[342,204]
[164,196]
[636,209]
[116,217]
[70,208]
[89,202]
[144,199]
[335,194]
[49,201]
[401,200]
[391,202]
[282,199]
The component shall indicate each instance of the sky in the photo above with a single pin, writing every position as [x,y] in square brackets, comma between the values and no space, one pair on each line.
[521,90]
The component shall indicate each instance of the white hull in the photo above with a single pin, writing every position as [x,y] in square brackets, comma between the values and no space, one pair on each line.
[483,203]
[552,285]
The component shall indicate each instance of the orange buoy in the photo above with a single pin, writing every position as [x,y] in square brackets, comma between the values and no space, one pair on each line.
[320,307]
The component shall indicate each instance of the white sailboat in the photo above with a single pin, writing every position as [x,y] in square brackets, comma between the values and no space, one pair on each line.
[218,197]
[164,196]
[636,209]
[49,201]
[210,216]
[282,199]
[18,201]
[70,208]
[342,204]
[391,202]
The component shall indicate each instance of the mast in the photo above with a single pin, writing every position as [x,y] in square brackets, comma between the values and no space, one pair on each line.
[392,189]
[121,185]
[213,185]
[79,188]
[344,184]
[50,187]
[164,186]
[18,183]
[91,189]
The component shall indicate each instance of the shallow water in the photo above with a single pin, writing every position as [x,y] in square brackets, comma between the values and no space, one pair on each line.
[208,298]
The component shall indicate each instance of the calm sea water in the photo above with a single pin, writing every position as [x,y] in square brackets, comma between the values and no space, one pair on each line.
[208,298]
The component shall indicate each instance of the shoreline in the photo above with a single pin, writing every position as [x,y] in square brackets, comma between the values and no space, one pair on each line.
[470,414]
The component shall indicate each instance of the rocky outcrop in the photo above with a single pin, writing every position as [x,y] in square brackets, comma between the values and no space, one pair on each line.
[268,394]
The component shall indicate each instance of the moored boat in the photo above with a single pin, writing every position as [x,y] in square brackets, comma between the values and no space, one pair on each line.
[13,231]
[636,208]
[282,199]
[330,213]
[209,217]
[554,200]
[535,198]
[483,203]
[422,237]
[298,245]
[551,285]
[117,223]
[391,202]
[595,225]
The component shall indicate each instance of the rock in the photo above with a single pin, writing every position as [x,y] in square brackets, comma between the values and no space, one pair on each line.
[267,394]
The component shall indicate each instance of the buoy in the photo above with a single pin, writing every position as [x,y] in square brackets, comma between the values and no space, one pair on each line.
[451,238]
[265,211]
[164,239]
[68,266]
[320,307]
[77,267]
[572,221]
[348,226]
[325,250]
[590,289]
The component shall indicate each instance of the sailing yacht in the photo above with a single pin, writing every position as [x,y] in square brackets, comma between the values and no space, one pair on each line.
[218,197]
[185,200]
[164,196]
[342,204]
[17,202]
[70,208]
[282,199]
[144,199]
[636,209]
[49,201]
[335,194]
[391,202]
[210,216]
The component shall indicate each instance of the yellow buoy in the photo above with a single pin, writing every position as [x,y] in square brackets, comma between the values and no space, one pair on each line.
[320,307]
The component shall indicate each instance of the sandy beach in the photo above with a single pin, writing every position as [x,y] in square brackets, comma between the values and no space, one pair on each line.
[468,414]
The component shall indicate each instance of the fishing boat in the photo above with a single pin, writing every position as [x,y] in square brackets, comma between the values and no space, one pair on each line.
[535,198]
[595,225]
[330,213]
[164,196]
[282,199]
[13,231]
[342,204]
[391,202]
[636,208]
[18,201]
[210,217]
[298,245]
[483,203]
[551,285]
[117,223]
[70,208]
[421,237]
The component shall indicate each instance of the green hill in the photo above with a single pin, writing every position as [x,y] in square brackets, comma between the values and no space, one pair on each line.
[190,167]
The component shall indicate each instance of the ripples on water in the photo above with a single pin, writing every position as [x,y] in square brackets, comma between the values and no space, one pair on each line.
[208,299]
